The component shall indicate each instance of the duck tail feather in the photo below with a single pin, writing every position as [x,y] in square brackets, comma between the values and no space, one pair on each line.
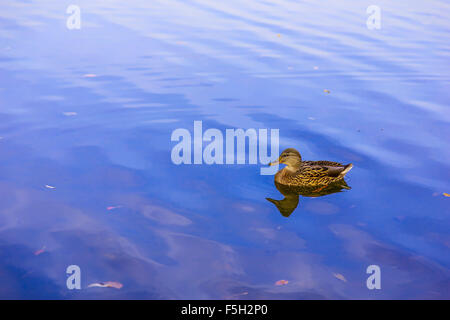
[347,168]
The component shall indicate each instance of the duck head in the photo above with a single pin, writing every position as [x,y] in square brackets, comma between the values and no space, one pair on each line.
[289,157]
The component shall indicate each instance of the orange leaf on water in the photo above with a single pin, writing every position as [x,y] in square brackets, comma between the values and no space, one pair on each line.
[281,282]
[113,207]
[340,277]
[446,194]
[38,252]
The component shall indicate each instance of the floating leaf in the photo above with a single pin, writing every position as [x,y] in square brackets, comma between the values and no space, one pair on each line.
[49,187]
[38,252]
[89,75]
[241,294]
[234,296]
[278,35]
[446,194]
[107,284]
[326,91]
[281,282]
[340,277]
[113,207]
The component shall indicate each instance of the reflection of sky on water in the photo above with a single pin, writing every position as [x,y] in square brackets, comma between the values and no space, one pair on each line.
[207,231]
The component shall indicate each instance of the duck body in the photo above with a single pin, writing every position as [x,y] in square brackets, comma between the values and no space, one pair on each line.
[308,173]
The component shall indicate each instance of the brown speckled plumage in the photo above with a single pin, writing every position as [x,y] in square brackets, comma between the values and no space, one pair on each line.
[308,173]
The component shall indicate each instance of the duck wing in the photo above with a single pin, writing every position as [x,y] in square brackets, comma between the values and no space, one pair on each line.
[325,168]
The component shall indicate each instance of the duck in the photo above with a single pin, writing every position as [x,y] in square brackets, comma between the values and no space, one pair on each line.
[300,173]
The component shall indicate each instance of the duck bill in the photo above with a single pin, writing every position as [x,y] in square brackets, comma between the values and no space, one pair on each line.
[275,163]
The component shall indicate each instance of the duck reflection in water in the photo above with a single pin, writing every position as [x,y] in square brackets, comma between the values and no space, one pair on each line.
[306,178]
[292,195]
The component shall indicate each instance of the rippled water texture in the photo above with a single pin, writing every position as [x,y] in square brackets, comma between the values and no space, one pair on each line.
[86,176]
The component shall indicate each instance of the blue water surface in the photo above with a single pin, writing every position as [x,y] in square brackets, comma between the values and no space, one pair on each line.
[86,176]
